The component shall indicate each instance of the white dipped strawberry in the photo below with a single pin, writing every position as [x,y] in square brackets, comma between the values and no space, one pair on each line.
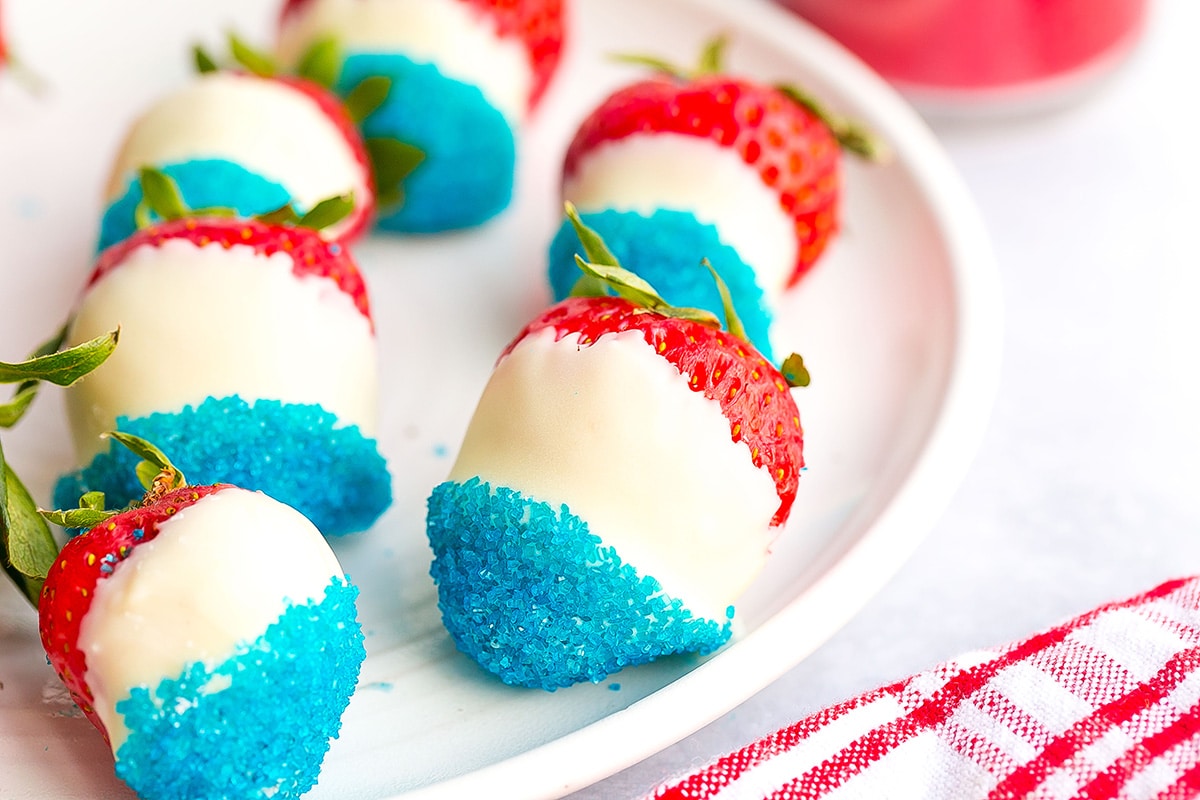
[209,633]
[618,487]
[250,142]
[248,350]
[464,77]
[742,172]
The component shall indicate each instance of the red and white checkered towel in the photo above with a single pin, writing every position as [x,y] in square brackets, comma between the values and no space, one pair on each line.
[1104,706]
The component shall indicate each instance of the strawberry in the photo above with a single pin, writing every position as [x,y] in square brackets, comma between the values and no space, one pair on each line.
[265,374]
[3,42]
[620,483]
[248,139]
[463,76]
[207,632]
[745,173]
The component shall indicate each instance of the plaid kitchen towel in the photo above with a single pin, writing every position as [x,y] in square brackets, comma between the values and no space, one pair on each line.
[1104,706]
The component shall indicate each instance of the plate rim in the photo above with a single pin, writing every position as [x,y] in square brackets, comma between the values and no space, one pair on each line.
[566,764]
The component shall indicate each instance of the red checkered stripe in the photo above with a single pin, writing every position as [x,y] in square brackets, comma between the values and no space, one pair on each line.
[1106,705]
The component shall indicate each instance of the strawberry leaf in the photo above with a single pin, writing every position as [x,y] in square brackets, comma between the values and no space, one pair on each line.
[593,244]
[26,543]
[328,212]
[367,96]
[160,196]
[321,62]
[635,289]
[155,471]
[65,367]
[391,162]
[733,323]
[91,512]
[284,215]
[203,61]
[253,60]
[602,275]
[659,65]
[712,56]
[12,411]
[794,371]
[711,62]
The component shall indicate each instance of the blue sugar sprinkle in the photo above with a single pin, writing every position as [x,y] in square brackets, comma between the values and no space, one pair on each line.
[203,183]
[466,177]
[266,734]
[295,453]
[614,687]
[665,248]
[531,595]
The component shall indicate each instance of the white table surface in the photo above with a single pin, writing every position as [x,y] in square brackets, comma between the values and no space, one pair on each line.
[1087,484]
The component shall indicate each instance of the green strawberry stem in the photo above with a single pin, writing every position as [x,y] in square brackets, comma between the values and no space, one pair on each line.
[161,198]
[27,546]
[711,61]
[321,62]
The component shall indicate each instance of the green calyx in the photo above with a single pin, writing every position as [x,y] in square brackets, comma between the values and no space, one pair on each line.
[242,56]
[391,162]
[602,275]
[155,472]
[711,61]
[162,200]
[27,546]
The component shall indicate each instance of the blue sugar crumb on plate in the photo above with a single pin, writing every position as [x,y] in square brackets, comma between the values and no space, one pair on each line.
[666,248]
[294,453]
[203,183]
[467,175]
[257,725]
[529,593]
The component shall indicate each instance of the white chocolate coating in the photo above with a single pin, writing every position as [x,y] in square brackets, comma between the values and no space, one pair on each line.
[208,321]
[448,33]
[218,574]
[645,172]
[269,128]
[613,431]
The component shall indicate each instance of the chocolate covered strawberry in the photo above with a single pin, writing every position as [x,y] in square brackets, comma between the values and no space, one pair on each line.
[619,485]
[744,173]
[208,632]
[248,351]
[464,76]
[248,140]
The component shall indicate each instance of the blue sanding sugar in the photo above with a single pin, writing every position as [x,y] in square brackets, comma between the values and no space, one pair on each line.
[294,453]
[466,177]
[203,183]
[528,592]
[257,725]
[665,248]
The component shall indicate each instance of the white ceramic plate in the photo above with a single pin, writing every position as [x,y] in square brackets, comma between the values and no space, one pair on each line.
[899,325]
